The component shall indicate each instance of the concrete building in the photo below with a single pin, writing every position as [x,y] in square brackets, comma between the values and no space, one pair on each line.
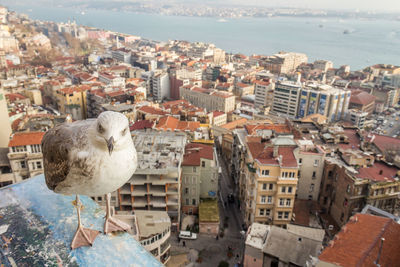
[199,176]
[274,246]
[323,99]
[25,155]
[311,166]
[219,118]
[154,232]
[112,80]
[156,184]
[323,65]
[208,98]
[264,93]
[286,99]
[362,101]
[284,63]
[160,89]
[357,118]
[5,130]
[122,55]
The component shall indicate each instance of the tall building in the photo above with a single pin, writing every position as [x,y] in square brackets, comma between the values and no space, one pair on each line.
[269,181]
[156,184]
[209,99]
[264,93]
[286,98]
[160,86]
[284,63]
[199,176]
[5,130]
[323,99]
[72,100]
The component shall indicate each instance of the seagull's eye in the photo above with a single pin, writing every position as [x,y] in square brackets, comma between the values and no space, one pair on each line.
[124,131]
[100,128]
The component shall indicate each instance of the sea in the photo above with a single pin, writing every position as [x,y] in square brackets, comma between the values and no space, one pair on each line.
[355,42]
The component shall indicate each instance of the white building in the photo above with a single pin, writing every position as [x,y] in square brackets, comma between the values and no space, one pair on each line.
[357,117]
[264,94]
[286,99]
[160,87]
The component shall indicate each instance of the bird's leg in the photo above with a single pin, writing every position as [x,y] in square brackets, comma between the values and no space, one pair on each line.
[112,224]
[83,236]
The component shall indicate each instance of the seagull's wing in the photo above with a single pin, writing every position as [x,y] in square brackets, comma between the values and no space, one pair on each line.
[57,144]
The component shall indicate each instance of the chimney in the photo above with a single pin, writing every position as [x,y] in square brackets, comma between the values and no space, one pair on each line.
[276,148]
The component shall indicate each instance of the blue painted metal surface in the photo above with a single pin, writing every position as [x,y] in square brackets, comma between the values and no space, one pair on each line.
[37,226]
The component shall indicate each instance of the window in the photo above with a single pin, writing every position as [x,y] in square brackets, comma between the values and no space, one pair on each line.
[286,215]
[23,164]
[281,202]
[203,164]
[113,198]
[38,164]
[298,174]
[193,201]
[265,172]
[194,169]
[280,214]
[316,162]
[187,201]
[348,188]
[269,199]
[330,174]
[300,161]
[99,199]
[313,174]
[289,189]
[186,190]
[263,199]
[288,202]
[261,212]
[267,212]
[264,186]
[311,188]
[283,189]
[271,186]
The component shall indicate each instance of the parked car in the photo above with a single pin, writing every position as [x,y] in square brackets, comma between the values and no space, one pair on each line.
[187,235]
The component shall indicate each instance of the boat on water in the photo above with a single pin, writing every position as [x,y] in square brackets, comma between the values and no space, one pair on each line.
[222,20]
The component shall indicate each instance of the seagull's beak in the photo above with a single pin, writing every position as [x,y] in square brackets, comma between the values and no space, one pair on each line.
[110,145]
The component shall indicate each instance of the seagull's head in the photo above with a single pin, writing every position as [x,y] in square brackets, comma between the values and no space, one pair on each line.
[112,130]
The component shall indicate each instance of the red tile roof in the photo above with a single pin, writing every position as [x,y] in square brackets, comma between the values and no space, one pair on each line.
[218,113]
[358,243]
[234,124]
[378,172]
[24,139]
[264,154]
[152,110]
[194,152]
[143,124]
[15,97]
[278,128]
[172,123]
[383,142]
[361,98]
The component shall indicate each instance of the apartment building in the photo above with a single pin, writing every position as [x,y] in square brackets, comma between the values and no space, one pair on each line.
[264,93]
[72,100]
[199,176]
[284,63]
[311,165]
[269,181]
[122,55]
[286,99]
[25,154]
[323,65]
[357,118]
[160,88]
[111,79]
[362,101]
[345,190]
[5,130]
[156,184]
[209,99]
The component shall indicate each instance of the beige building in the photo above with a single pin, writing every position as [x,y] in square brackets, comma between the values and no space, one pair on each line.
[269,181]
[284,63]
[72,100]
[5,121]
[264,94]
[311,166]
[25,155]
[156,184]
[209,99]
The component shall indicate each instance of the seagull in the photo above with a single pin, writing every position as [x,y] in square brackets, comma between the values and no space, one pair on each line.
[91,157]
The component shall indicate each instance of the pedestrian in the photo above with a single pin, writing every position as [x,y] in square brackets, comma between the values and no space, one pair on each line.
[183,243]
[216,237]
